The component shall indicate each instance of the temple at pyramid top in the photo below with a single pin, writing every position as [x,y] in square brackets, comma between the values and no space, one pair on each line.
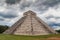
[30,24]
[29,13]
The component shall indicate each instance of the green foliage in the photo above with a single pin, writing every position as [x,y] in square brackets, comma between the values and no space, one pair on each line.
[58,31]
[3,28]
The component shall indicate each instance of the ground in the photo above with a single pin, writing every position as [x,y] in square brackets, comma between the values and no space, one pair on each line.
[21,37]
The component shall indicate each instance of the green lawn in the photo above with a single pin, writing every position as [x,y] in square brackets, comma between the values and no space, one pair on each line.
[21,37]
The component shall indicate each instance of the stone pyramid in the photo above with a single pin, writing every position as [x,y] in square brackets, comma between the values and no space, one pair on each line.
[30,24]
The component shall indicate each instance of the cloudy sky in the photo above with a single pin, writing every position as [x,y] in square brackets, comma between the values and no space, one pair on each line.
[47,10]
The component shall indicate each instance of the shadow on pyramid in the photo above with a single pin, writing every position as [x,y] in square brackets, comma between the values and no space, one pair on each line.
[30,24]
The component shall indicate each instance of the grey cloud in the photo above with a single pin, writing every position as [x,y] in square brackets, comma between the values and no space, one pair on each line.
[8,15]
[51,3]
[12,1]
[57,17]
[2,19]
[39,5]
[54,24]
[25,5]
[43,5]
[51,16]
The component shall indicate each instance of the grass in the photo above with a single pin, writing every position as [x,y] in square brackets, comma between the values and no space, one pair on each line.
[21,37]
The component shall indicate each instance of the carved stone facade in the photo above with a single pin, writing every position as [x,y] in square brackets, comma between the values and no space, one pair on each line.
[30,24]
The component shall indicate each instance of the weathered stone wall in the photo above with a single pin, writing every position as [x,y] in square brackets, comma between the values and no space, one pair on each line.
[24,28]
[30,24]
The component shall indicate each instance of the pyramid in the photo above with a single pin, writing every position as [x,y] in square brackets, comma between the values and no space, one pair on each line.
[30,24]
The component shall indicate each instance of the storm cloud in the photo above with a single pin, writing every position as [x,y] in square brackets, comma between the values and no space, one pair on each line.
[12,1]
[1,19]
[43,5]
[38,5]
[8,15]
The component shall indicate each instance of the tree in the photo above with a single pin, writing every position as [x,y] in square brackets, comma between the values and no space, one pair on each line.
[58,31]
[3,28]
